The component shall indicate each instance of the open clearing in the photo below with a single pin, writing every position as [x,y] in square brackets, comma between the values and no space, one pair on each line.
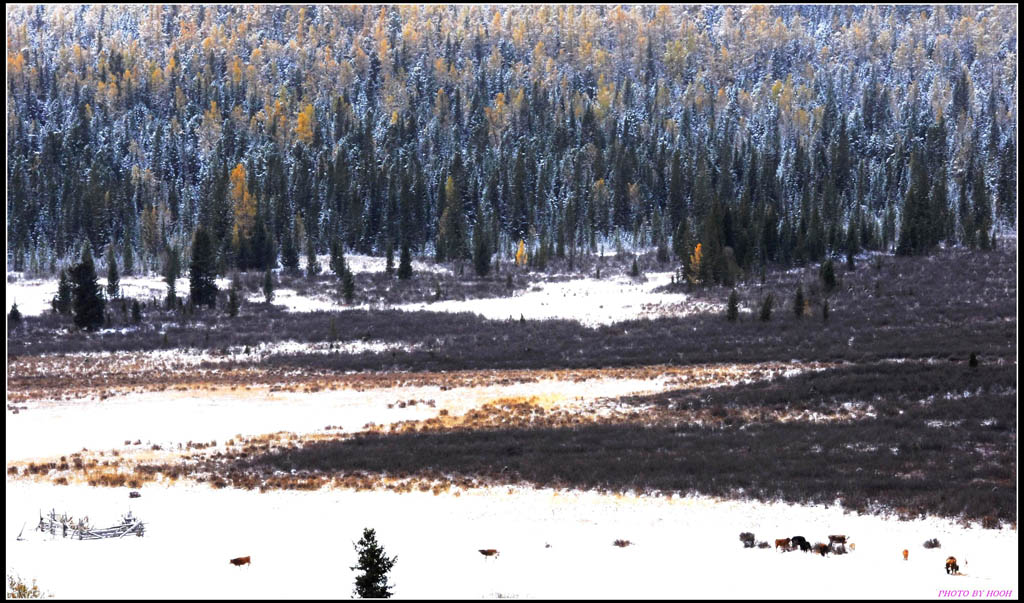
[546,440]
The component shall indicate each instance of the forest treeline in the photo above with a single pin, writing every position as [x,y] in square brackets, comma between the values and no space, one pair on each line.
[765,133]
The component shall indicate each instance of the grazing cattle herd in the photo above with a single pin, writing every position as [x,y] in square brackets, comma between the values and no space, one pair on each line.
[836,545]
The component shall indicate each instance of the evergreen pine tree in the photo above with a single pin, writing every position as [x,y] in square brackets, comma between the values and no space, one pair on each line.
[312,266]
[233,303]
[798,302]
[405,264]
[337,257]
[828,275]
[87,298]
[61,303]
[824,311]
[732,311]
[136,311]
[113,280]
[172,270]
[202,272]
[289,252]
[14,316]
[268,286]
[635,270]
[481,252]
[374,564]
[766,307]
[389,263]
[127,259]
[348,287]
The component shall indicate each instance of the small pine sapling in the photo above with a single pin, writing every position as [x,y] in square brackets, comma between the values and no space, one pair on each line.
[824,311]
[14,316]
[268,286]
[732,311]
[348,287]
[136,312]
[374,564]
[828,275]
[766,307]
[798,302]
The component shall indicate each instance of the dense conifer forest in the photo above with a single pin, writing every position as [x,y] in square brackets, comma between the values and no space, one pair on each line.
[779,134]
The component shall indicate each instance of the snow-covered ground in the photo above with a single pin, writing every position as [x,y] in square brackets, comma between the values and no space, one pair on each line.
[588,300]
[551,544]
[54,428]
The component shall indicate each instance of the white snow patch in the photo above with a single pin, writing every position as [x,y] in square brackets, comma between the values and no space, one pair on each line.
[555,544]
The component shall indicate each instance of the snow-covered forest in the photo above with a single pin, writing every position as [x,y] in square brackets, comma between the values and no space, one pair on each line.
[767,134]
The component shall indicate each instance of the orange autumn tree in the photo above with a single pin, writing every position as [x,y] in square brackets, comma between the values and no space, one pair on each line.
[244,205]
[521,254]
[695,260]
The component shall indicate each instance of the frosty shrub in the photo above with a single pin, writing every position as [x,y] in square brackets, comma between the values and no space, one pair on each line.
[932,544]
[17,589]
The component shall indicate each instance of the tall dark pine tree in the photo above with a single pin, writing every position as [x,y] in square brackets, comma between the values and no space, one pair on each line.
[481,252]
[202,272]
[113,280]
[405,263]
[916,223]
[172,270]
[87,299]
[61,303]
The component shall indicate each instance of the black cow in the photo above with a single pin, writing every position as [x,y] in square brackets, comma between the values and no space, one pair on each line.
[801,543]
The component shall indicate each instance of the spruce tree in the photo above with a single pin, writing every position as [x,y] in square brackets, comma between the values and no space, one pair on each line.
[374,564]
[268,286]
[389,254]
[113,280]
[127,259]
[233,303]
[202,272]
[172,270]
[61,303]
[824,311]
[405,264]
[798,302]
[14,316]
[732,311]
[348,287]
[312,266]
[828,275]
[766,307]
[289,252]
[136,312]
[481,252]
[87,297]
[337,257]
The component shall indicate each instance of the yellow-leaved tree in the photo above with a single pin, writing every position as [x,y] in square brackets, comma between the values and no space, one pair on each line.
[521,254]
[244,205]
[304,125]
[695,259]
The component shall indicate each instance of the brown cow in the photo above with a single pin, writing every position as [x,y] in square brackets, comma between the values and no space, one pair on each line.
[240,561]
[783,543]
[489,552]
[821,548]
[838,539]
[906,554]
[951,566]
